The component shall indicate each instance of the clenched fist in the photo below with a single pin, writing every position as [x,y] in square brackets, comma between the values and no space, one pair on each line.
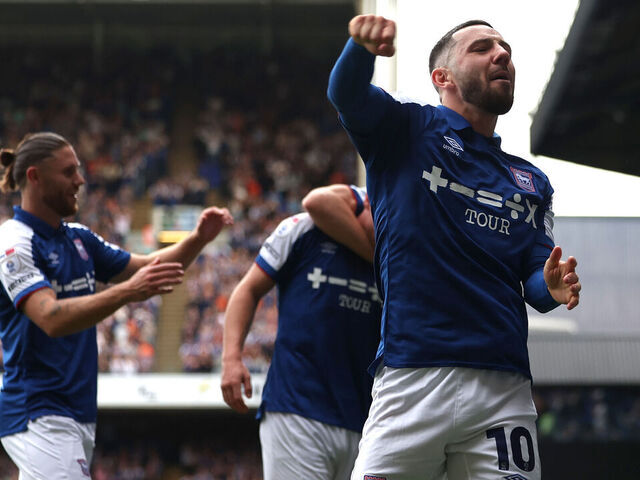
[374,33]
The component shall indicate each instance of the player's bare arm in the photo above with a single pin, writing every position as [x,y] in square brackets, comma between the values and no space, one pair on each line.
[332,209]
[211,221]
[562,280]
[375,33]
[59,317]
[238,319]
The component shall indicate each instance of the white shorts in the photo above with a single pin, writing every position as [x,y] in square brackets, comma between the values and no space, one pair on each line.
[295,447]
[449,423]
[52,448]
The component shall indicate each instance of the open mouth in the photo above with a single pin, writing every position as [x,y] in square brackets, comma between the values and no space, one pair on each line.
[500,76]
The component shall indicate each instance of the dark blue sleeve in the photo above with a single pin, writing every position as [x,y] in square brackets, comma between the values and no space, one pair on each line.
[361,105]
[536,292]
[108,259]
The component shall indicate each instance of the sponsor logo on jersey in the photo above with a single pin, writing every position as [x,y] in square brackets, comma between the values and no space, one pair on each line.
[328,247]
[515,476]
[523,179]
[454,143]
[81,250]
[88,282]
[272,251]
[20,281]
[54,259]
[518,206]
[374,477]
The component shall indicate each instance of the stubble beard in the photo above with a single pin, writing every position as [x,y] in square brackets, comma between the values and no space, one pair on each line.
[487,99]
[59,204]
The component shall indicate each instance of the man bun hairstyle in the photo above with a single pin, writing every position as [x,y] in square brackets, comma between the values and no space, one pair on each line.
[32,150]
[443,46]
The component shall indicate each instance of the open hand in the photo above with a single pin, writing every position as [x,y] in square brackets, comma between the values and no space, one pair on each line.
[211,221]
[562,280]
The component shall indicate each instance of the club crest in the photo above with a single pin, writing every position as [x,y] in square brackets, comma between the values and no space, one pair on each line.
[523,179]
[81,250]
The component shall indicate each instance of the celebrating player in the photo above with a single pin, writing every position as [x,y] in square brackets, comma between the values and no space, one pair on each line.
[463,239]
[49,308]
[317,391]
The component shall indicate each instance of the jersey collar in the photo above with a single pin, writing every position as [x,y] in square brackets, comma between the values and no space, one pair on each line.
[38,225]
[459,123]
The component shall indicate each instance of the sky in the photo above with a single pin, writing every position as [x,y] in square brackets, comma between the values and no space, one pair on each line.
[536,31]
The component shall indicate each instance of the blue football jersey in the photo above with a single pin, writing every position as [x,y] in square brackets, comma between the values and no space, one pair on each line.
[328,326]
[462,230]
[45,375]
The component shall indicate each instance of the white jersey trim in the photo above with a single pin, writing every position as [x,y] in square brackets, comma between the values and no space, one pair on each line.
[18,272]
[278,246]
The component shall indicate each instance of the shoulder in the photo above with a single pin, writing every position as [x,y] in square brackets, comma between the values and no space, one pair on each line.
[14,233]
[294,227]
[528,176]
[79,228]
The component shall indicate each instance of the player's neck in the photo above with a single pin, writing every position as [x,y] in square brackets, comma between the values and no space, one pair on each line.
[40,210]
[481,121]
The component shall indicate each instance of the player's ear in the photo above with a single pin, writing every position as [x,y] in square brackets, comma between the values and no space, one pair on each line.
[32,174]
[441,77]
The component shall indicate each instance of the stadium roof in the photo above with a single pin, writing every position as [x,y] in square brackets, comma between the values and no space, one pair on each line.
[590,111]
[313,25]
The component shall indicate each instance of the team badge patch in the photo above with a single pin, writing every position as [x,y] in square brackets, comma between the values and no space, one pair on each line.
[374,477]
[515,476]
[81,250]
[523,179]
[11,263]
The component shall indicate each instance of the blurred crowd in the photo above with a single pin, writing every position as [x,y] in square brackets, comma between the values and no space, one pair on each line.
[588,414]
[265,135]
[118,120]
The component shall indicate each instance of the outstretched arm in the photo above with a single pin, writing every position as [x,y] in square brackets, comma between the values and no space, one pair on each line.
[333,210]
[70,315]
[238,318]
[360,104]
[211,221]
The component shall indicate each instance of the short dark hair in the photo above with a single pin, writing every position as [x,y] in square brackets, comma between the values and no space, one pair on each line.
[445,43]
[32,150]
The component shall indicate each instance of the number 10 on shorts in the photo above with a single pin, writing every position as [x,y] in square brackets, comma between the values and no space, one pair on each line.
[516,437]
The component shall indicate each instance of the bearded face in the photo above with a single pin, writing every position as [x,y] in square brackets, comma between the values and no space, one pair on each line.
[492,95]
[482,69]
[60,182]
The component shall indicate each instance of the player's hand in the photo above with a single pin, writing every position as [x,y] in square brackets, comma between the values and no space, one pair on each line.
[153,279]
[211,221]
[562,280]
[374,33]
[235,376]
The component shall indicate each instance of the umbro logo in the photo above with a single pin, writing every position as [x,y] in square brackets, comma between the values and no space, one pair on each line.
[454,143]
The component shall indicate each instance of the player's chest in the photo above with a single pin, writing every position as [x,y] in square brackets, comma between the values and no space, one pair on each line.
[67,265]
[482,190]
